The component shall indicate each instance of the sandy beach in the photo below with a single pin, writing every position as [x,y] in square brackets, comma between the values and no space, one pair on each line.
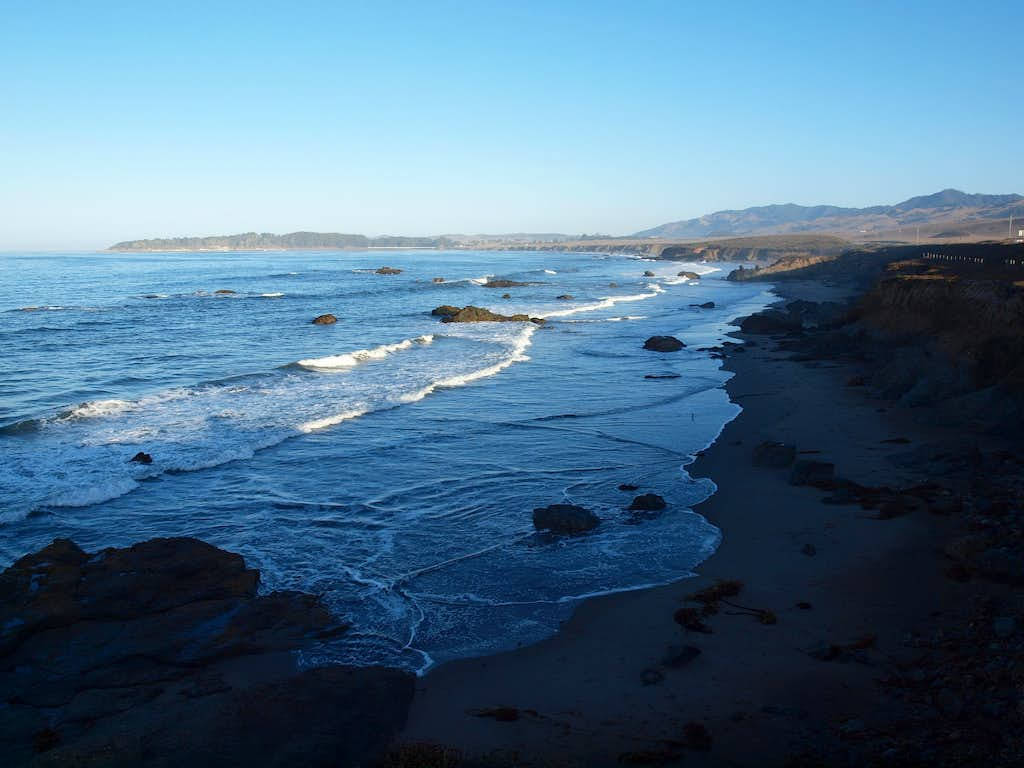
[618,685]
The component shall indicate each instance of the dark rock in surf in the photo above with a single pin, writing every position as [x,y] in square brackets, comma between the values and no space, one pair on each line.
[663,344]
[565,297]
[387,271]
[689,275]
[705,305]
[613,285]
[141,458]
[648,502]
[472,314]
[564,518]
[506,295]
[772,454]
[438,280]
[224,292]
[327,319]
[648,273]
[503,284]
[661,376]
[445,310]
[628,487]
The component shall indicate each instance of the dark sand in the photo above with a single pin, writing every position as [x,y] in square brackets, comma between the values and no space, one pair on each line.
[582,694]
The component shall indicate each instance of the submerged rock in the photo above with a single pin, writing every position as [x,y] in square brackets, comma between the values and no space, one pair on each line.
[564,518]
[438,280]
[165,649]
[661,376]
[224,292]
[565,297]
[663,344]
[141,458]
[327,319]
[387,271]
[648,273]
[648,502]
[503,284]
[705,305]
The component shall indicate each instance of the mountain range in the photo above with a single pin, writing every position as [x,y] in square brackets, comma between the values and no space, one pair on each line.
[961,213]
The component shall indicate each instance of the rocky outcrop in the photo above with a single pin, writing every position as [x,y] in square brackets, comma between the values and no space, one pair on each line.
[705,305]
[648,502]
[142,458]
[437,280]
[163,653]
[565,297]
[503,284]
[564,518]
[387,271]
[770,322]
[689,275]
[471,314]
[327,319]
[663,344]
[648,273]
[224,292]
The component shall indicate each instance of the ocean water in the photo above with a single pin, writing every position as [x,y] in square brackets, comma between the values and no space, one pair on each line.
[388,462]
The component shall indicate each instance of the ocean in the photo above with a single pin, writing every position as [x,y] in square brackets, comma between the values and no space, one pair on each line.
[388,462]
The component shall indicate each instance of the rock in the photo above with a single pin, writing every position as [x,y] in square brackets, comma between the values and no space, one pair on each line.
[565,297]
[387,271]
[613,285]
[705,305]
[503,284]
[648,273]
[564,518]
[445,310]
[506,295]
[325,320]
[471,314]
[772,454]
[661,376]
[688,275]
[438,280]
[628,487]
[648,502]
[770,321]
[224,292]
[817,473]
[142,458]
[663,344]
[165,649]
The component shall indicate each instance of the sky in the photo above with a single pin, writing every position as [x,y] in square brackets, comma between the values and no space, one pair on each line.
[126,120]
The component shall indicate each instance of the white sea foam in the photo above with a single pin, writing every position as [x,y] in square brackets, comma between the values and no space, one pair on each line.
[330,421]
[477,280]
[605,303]
[87,495]
[271,295]
[551,271]
[97,408]
[351,359]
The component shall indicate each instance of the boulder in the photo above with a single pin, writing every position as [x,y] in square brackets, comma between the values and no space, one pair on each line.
[613,285]
[821,474]
[445,310]
[141,458]
[705,305]
[628,487]
[770,321]
[224,292]
[689,275]
[648,502]
[327,319]
[438,280]
[564,518]
[506,295]
[165,649]
[648,273]
[387,271]
[661,376]
[663,344]
[565,297]
[503,284]
[772,454]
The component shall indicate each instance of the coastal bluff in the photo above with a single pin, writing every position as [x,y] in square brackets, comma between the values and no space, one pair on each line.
[165,653]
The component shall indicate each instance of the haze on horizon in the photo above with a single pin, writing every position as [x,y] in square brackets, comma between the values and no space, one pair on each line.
[128,120]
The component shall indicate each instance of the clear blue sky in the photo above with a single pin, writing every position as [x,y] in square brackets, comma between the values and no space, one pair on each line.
[136,119]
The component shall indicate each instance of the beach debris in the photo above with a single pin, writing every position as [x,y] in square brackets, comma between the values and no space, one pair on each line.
[677,656]
[501,714]
[565,518]
[843,652]
[821,474]
[720,592]
[691,619]
[387,271]
[774,454]
[141,458]
[663,344]
[327,319]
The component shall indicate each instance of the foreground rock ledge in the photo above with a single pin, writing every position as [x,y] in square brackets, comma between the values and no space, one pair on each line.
[163,654]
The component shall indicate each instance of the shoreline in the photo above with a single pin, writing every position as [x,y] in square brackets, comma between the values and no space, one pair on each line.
[612,683]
